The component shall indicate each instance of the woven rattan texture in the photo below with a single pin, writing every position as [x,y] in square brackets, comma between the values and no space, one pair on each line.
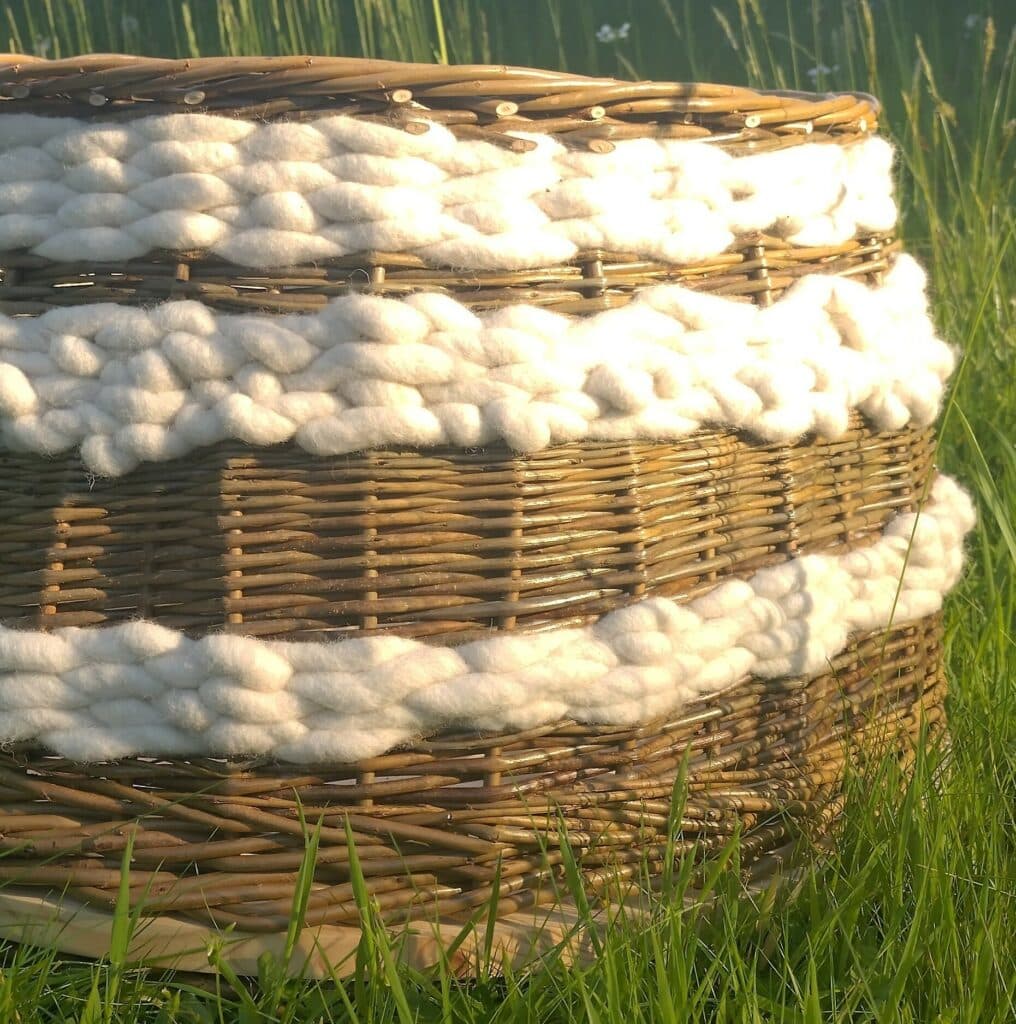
[446,545]
[475,101]
[437,825]
[442,543]
[758,269]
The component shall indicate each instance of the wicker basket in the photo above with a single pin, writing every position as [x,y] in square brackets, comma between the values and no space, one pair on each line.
[437,544]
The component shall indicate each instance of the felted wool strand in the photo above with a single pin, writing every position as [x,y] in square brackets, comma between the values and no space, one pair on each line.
[139,688]
[128,385]
[272,195]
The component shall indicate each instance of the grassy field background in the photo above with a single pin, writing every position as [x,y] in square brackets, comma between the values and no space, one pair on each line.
[913,919]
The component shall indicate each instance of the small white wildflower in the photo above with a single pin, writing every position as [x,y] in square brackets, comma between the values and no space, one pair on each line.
[43,46]
[972,21]
[609,34]
[129,24]
[821,69]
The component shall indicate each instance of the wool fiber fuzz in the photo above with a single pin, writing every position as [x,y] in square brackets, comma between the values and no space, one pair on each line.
[276,195]
[140,688]
[129,385]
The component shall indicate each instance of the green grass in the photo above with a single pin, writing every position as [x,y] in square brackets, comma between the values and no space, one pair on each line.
[913,917]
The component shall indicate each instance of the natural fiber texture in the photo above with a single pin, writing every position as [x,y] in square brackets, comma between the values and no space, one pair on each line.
[281,194]
[97,694]
[759,268]
[482,101]
[443,543]
[437,824]
[712,497]
[131,385]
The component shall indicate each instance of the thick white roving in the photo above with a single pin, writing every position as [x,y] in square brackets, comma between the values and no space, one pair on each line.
[275,195]
[97,693]
[129,385]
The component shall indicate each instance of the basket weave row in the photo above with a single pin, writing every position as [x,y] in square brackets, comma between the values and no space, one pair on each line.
[442,544]
[449,544]
[759,271]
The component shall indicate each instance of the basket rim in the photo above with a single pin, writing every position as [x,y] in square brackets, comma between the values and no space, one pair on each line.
[496,93]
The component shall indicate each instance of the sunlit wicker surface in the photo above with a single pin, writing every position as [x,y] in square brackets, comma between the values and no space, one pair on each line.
[445,545]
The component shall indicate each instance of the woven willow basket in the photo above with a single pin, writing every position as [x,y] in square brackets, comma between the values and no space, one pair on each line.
[441,544]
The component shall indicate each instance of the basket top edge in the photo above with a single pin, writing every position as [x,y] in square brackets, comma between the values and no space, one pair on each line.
[228,83]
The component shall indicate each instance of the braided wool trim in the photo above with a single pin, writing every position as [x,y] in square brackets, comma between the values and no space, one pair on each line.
[98,693]
[130,385]
[274,195]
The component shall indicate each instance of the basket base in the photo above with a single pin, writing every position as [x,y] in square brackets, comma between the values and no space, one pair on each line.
[217,846]
[328,952]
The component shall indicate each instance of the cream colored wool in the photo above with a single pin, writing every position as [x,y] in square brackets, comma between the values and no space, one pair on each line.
[274,195]
[140,688]
[131,385]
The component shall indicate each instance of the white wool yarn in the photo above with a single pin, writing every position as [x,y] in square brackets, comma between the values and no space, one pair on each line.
[140,688]
[289,193]
[130,385]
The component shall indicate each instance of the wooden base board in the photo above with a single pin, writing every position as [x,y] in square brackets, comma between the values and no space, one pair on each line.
[326,951]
